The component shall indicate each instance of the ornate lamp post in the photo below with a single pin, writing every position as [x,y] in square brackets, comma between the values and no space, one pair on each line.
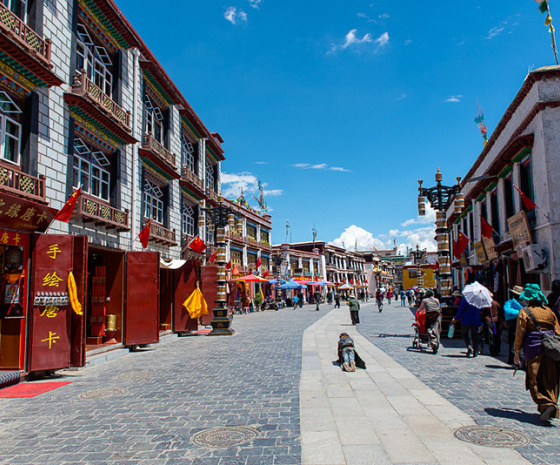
[278,260]
[418,255]
[440,197]
[221,323]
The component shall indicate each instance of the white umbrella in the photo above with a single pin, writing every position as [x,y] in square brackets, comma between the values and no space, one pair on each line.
[477,295]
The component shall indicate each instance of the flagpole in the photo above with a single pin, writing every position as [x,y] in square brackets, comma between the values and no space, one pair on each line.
[552,34]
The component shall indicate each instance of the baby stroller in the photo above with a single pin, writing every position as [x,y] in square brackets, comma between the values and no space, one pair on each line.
[422,335]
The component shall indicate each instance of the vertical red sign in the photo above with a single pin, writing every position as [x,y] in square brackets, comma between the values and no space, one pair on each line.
[51,314]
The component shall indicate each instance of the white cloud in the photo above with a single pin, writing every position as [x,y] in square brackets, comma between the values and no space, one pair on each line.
[384,16]
[402,97]
[255,3]
[320,166]
[234,16]
[507,26]
[416,231]
[408,41]
[382,40]
[233,183]
[262,163]
[454,99]
[354,234]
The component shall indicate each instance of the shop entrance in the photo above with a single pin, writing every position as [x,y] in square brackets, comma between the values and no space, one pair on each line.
[13,303]
[104,322]
[166,299]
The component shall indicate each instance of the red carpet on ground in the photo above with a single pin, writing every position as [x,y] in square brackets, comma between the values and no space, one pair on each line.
[29,389]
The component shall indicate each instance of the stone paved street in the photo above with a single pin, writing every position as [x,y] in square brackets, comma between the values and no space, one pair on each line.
[482,387]
[171,391]
[251,379]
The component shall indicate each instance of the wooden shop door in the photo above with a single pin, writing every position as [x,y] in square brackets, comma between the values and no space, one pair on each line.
[141,319]
[56,338]
[184,283]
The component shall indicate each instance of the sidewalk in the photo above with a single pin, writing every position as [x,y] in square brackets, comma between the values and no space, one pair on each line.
[383,415]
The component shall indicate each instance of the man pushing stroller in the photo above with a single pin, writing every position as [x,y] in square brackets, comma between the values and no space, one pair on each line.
[430,312]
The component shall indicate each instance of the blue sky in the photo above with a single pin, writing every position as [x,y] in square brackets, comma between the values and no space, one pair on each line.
[339,107]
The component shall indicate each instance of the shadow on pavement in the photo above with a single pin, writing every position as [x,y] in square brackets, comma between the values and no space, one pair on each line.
[518,415]
[503,367]
[396,335]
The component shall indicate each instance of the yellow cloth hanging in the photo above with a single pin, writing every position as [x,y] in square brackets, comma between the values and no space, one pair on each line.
[196,305]
[73,294]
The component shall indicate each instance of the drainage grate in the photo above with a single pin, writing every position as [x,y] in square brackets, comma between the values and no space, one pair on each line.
[225,436]
[137,375]
[492,436]
[103,393]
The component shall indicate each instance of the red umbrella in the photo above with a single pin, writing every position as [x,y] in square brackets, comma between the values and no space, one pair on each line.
[251,278]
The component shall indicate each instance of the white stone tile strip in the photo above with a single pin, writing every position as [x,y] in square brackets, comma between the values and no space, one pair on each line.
[382,415]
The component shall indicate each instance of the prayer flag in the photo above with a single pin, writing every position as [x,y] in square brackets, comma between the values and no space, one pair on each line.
[197,245]
[529,204]
[486,228]
[67,209]
[144,235]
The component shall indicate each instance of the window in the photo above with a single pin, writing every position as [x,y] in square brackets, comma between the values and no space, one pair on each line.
[210,234]
[10,128]
[91,170]
[251,232]
[18,7]
[189,154]
[494,208]
[154,120]
[210,176]
[153,201]
[95,59]
[526,175]
[508,197]
[189,219]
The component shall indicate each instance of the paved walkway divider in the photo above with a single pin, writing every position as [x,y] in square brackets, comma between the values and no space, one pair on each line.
[383,415]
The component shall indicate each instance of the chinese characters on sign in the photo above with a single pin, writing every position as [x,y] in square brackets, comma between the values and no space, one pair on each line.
[23,215]
[519,230]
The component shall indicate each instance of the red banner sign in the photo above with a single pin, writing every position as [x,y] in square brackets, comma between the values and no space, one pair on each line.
[24,215]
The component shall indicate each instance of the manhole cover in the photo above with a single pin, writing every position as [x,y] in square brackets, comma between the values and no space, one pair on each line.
[492,436]
[137,375]
[226,436]
[103,393]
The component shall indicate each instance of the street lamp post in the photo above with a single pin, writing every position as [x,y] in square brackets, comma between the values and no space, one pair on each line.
[440,197]
[418,255]
[221,323]
[278,260]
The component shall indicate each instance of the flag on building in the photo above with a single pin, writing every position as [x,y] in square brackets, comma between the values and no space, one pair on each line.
[228,265]
[265,274]
[197,245]
[460,245]
[67,209]
[235,270]
[259,262]
[144,235]
[213,257]
[479,120]
[529,204]
[486,228]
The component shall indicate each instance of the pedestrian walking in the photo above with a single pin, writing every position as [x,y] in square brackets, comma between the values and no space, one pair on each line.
[329,297]
[410,296]
[295,301]
[389,296]
[469,316]
[379,300]
[542,377]
[490,331]
[403,298]
[348,358]
[354,305]
[511,311]
[317,299]
[337,300]
[300,297]
[554,298]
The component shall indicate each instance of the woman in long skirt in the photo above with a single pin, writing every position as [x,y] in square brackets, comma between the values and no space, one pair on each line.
[542,378]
